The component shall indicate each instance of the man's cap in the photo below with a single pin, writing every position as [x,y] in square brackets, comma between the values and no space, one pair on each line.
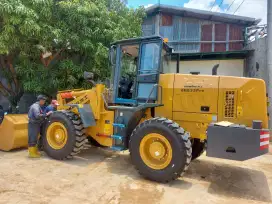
[55,102]
[41,97]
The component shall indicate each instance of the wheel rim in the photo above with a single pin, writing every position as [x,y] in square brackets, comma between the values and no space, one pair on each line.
[56,135]
[155,151]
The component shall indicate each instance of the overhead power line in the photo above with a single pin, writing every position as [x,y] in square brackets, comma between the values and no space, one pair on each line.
[230,5]
[220,4]
[239,7]
[213,4]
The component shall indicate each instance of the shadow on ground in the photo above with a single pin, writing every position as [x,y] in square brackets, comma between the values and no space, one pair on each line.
[226,180]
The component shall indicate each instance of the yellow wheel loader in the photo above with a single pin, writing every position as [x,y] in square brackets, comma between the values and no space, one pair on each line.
[164,120]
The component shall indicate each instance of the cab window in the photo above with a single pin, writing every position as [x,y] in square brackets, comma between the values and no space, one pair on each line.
[127,79]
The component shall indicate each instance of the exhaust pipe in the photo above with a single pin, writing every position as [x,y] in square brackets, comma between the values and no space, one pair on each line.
[214,69]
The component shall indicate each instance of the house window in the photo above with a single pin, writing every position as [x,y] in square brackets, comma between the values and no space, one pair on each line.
[190,35]
[220,35]
[166,28]
[206,35]
[167,20]
[148,26]
[190,30]
[235,33]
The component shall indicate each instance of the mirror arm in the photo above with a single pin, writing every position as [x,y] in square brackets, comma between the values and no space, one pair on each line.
[92,82]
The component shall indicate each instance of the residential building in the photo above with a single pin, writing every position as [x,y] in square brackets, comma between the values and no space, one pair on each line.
[201,39]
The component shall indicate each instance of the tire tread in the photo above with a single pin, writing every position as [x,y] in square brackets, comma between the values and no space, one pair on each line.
[183,138]
[80,136]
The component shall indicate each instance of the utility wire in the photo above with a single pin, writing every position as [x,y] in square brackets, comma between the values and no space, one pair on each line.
[213,5]
[239,7]
[220,4]
[230,5]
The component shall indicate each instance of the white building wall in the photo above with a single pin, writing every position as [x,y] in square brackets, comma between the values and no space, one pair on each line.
[234,67]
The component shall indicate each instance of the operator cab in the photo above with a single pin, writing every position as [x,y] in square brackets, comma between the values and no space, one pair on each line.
[136,66]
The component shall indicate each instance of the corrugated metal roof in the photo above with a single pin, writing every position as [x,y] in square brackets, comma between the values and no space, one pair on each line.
[200,14]
[143,39]
[137,40]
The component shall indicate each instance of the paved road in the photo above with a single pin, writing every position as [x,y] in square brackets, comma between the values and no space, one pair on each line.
[99,176]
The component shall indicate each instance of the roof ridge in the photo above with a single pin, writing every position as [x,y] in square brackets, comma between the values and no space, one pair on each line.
[196,13]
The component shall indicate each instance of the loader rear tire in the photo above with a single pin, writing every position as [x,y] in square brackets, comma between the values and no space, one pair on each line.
[160,149]
[64,135]
[197,148]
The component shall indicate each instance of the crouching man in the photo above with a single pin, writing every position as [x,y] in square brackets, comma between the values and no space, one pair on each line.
[36,117]
[52,107]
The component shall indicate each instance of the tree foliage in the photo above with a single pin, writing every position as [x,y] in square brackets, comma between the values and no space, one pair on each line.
[75,33]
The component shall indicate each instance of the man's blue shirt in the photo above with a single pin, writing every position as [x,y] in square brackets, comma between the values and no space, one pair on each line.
[49,108]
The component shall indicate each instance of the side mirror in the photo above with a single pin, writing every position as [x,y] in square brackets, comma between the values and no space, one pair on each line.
[88,76]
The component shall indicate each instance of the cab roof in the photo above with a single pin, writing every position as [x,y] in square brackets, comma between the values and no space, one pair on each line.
[143,39]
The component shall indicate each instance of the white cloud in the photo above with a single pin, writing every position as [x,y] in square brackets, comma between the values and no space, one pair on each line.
[148,5]
[251,8]
[199,4]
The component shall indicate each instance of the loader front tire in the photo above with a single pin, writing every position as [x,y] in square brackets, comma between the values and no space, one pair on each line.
[160,149]
[64,135]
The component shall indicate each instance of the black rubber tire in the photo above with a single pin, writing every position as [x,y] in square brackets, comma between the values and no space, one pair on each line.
[197,148]
[76,135]
[179,141]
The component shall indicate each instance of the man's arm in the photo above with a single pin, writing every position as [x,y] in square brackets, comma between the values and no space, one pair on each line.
[48,110]
[37,113]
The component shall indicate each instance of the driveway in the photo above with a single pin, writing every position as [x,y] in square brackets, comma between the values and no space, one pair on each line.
[100,176]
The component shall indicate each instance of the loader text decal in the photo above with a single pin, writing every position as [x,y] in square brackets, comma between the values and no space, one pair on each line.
[192,90]
[192,86]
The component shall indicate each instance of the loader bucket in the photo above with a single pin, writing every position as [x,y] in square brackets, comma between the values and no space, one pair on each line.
[14,132]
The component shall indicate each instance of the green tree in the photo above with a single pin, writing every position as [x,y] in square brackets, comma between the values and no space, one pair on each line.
[47,44]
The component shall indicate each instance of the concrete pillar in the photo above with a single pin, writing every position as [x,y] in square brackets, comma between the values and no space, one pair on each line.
[157,24]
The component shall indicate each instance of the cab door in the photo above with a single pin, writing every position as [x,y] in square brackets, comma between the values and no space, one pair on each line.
[125,73]
[148,72]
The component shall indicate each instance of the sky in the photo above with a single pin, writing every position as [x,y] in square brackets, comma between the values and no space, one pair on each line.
[251,8]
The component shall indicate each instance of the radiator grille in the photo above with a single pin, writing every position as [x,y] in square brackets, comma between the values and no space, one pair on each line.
[230,104]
